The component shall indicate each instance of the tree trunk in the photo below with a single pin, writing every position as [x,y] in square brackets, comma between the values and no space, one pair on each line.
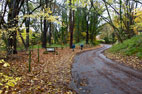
[14,9]
[87,31]
[27,24]
[44,33]
[71,26]
[50,34]
[12,41]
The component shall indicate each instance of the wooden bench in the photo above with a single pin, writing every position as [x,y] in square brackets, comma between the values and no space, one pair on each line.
[50,49]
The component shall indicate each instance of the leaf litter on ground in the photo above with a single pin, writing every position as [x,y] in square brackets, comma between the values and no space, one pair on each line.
[51,75]
[130,61]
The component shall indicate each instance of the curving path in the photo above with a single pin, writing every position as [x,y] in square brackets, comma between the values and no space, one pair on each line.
[93,73]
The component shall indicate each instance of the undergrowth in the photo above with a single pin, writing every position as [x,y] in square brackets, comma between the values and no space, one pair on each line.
[129,47]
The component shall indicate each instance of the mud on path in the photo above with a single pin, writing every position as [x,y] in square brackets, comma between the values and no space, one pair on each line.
[93,73]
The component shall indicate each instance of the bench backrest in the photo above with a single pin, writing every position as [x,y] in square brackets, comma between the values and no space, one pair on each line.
[50,49]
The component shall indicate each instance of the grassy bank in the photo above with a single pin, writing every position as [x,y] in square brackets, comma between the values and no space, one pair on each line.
[129,47]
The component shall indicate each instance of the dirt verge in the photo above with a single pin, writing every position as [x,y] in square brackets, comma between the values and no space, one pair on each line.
[131,61]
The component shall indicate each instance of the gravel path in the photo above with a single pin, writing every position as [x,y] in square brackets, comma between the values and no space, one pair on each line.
[93,73]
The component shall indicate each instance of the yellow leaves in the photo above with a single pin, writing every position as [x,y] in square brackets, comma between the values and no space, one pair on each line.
[138,19]
[138,15]
[1,74]
[64,25]
[2,61]
[18,79]
[0,91]
[29,16]
[7,81]
[110,1]
[6,65]
[14,92]
[78,3]
[1,84]
[86,3]
[23,34]
[46,14]
[51,18]
[2,30]
[83,34]
[10,83]
[69,92]
[47,10]
[49,83]
[10,30]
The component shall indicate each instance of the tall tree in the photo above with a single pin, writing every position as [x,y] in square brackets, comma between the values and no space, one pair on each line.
[71,24]
[27,24]
[14,7]
[46,25]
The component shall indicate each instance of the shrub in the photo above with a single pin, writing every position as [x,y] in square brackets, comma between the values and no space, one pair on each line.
[139,55]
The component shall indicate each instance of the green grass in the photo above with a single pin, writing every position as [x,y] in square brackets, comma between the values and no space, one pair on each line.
[57,45]
[129,47]
[21,47]
[82,42]
[35,46]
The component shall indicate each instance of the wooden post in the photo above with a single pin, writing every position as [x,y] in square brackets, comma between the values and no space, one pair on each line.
[38,53]
[29,60]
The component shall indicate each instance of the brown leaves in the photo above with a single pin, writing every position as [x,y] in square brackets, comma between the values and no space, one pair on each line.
[131,61]
[51,75]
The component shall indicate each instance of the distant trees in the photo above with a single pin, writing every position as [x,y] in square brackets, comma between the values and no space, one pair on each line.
[84,18]
[107,33]
[123,19]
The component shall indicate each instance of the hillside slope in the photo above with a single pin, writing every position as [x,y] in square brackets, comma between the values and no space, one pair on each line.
[128,53]
[129,47]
